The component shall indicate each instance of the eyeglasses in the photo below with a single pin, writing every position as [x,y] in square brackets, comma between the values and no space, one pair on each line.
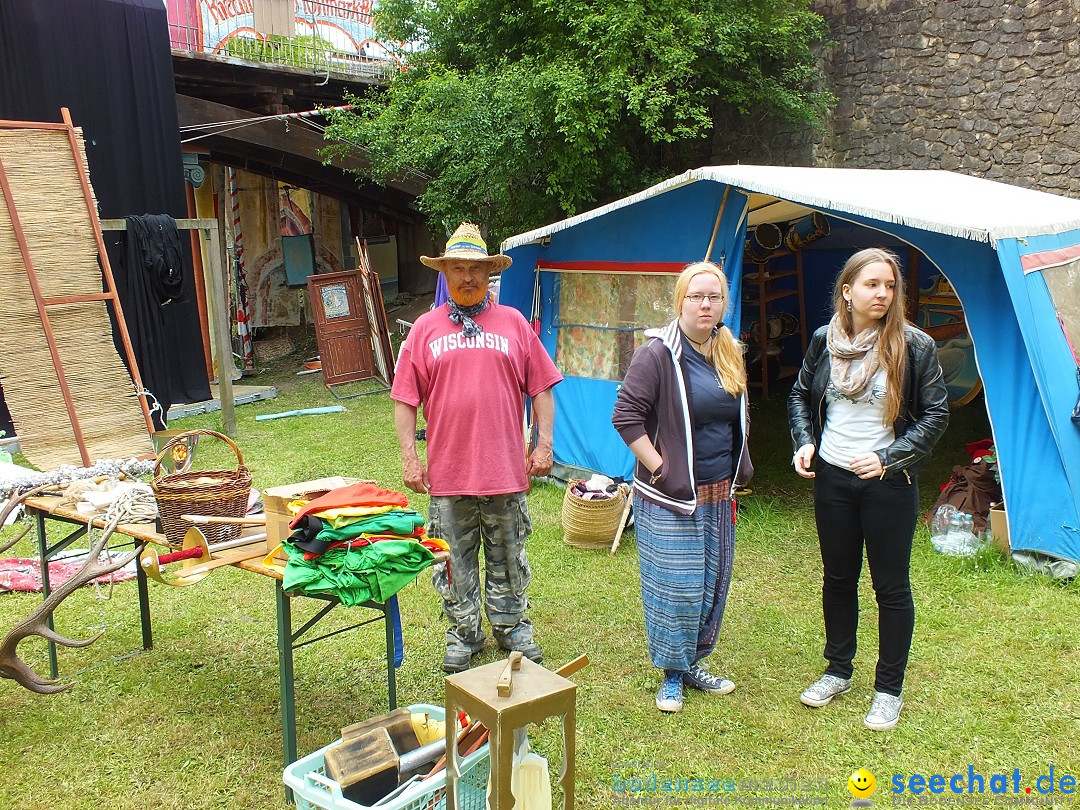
[697,298]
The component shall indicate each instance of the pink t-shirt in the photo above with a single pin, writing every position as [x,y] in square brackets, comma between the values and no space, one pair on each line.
[473,394]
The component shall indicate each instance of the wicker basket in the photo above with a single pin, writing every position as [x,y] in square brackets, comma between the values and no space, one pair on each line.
[217,493]
[592,524]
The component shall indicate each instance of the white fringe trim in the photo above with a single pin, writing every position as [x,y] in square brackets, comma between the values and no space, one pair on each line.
[966,207]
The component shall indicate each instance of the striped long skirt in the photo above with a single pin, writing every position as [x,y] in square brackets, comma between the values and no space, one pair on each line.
[685,563]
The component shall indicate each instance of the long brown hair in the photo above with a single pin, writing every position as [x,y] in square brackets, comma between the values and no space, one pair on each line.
[892,346]
[726,352]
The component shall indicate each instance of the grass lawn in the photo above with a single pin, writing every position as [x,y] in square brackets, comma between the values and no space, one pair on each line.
[194,723]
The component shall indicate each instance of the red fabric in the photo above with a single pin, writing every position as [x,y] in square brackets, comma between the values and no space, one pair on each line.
[362,494]
[360,542]
[473,393]
[979,448]
[22,574]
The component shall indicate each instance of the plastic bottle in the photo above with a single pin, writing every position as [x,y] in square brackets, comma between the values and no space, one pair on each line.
[954,537]
[960,541]
[939,526]
[971,541]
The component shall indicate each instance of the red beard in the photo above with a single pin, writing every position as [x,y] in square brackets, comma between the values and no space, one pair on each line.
[467,297]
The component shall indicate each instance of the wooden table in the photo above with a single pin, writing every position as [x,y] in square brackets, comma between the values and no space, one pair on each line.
[49,507]
[288,639]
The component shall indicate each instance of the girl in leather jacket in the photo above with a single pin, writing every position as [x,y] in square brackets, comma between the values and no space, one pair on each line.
[869,404]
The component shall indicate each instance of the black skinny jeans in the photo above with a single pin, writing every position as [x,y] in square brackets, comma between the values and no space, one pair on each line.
[882,513]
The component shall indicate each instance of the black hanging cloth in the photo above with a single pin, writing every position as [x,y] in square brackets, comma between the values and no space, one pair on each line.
[153,246]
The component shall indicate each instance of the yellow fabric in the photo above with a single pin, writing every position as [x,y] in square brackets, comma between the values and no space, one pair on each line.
[332,516]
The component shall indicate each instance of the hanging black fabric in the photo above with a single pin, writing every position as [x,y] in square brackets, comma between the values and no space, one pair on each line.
[116,77]
[153,247]
[151,278]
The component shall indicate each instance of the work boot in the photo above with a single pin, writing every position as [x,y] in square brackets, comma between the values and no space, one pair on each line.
[458,658]
[523,642]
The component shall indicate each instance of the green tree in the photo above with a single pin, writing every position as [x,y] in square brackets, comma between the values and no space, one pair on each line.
[523,111]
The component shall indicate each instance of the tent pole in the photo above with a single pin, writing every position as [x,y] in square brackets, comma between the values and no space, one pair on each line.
[716,225]
[913,265]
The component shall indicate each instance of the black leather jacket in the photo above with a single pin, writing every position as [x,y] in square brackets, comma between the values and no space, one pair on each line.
[924,412]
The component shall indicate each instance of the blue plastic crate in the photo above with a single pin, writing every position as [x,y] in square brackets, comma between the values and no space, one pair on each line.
[314,790]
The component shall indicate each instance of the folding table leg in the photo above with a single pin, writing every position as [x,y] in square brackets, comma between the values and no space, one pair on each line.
[388,623]
[46,586]
[144,606]
[285,680]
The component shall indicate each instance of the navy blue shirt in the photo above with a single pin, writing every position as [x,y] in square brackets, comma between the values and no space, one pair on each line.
[713,415]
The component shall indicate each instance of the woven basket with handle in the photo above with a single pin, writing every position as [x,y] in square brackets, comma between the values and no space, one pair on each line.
[592,524]
[216,493]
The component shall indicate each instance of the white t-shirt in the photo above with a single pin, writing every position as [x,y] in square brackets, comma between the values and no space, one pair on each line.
[853,426]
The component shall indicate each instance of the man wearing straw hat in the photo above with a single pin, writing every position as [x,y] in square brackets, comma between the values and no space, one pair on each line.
[470,363]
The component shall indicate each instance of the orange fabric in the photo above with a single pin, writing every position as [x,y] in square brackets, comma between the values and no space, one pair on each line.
[362,494]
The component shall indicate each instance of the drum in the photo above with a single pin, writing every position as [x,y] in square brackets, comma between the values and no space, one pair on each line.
[764,239]
[804,231]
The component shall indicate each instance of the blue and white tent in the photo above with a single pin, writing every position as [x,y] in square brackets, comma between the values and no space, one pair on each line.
[1012,256]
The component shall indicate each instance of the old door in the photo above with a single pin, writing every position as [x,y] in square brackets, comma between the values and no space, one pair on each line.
[342,327]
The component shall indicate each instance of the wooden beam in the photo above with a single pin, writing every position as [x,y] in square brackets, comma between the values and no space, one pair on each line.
[182,224]
[286,137]
[221,328]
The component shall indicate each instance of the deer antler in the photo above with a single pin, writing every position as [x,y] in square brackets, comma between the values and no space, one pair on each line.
[11,666]
[10,506]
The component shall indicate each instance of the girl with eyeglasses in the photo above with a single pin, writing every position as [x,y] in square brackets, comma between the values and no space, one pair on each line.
[869,404]
[682,411]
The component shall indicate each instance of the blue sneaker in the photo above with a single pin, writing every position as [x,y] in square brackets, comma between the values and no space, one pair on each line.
[669,698]
[700,678]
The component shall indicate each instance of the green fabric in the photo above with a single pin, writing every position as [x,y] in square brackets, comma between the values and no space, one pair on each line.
[401,522]
[376,571]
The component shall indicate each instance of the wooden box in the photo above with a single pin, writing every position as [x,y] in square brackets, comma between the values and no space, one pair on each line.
[999,529]
[276,500]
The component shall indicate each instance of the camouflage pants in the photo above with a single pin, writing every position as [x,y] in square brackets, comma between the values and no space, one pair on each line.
[502,524]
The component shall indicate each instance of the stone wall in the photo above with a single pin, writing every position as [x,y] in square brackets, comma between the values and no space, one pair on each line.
[989,88]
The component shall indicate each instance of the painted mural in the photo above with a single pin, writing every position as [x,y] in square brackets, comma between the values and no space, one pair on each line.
[344,27]
[269,210]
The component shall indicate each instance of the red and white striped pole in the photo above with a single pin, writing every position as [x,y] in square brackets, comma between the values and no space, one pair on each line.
[243,328]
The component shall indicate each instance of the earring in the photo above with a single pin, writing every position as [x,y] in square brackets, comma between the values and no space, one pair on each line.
[848,304]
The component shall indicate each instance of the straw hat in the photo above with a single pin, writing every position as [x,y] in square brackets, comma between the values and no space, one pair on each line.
[467,244]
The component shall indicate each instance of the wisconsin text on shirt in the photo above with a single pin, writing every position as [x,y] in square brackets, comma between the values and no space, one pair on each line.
[485,340]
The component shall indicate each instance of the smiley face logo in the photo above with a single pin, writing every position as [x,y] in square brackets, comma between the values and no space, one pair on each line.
[862,784]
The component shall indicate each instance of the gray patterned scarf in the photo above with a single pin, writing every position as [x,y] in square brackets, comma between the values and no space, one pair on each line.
[853,361]
[465,315]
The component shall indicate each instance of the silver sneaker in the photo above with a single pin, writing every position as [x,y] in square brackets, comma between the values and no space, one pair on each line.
[884,712]
[823,690]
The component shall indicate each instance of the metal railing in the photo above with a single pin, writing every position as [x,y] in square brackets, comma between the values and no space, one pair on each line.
[330,38]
